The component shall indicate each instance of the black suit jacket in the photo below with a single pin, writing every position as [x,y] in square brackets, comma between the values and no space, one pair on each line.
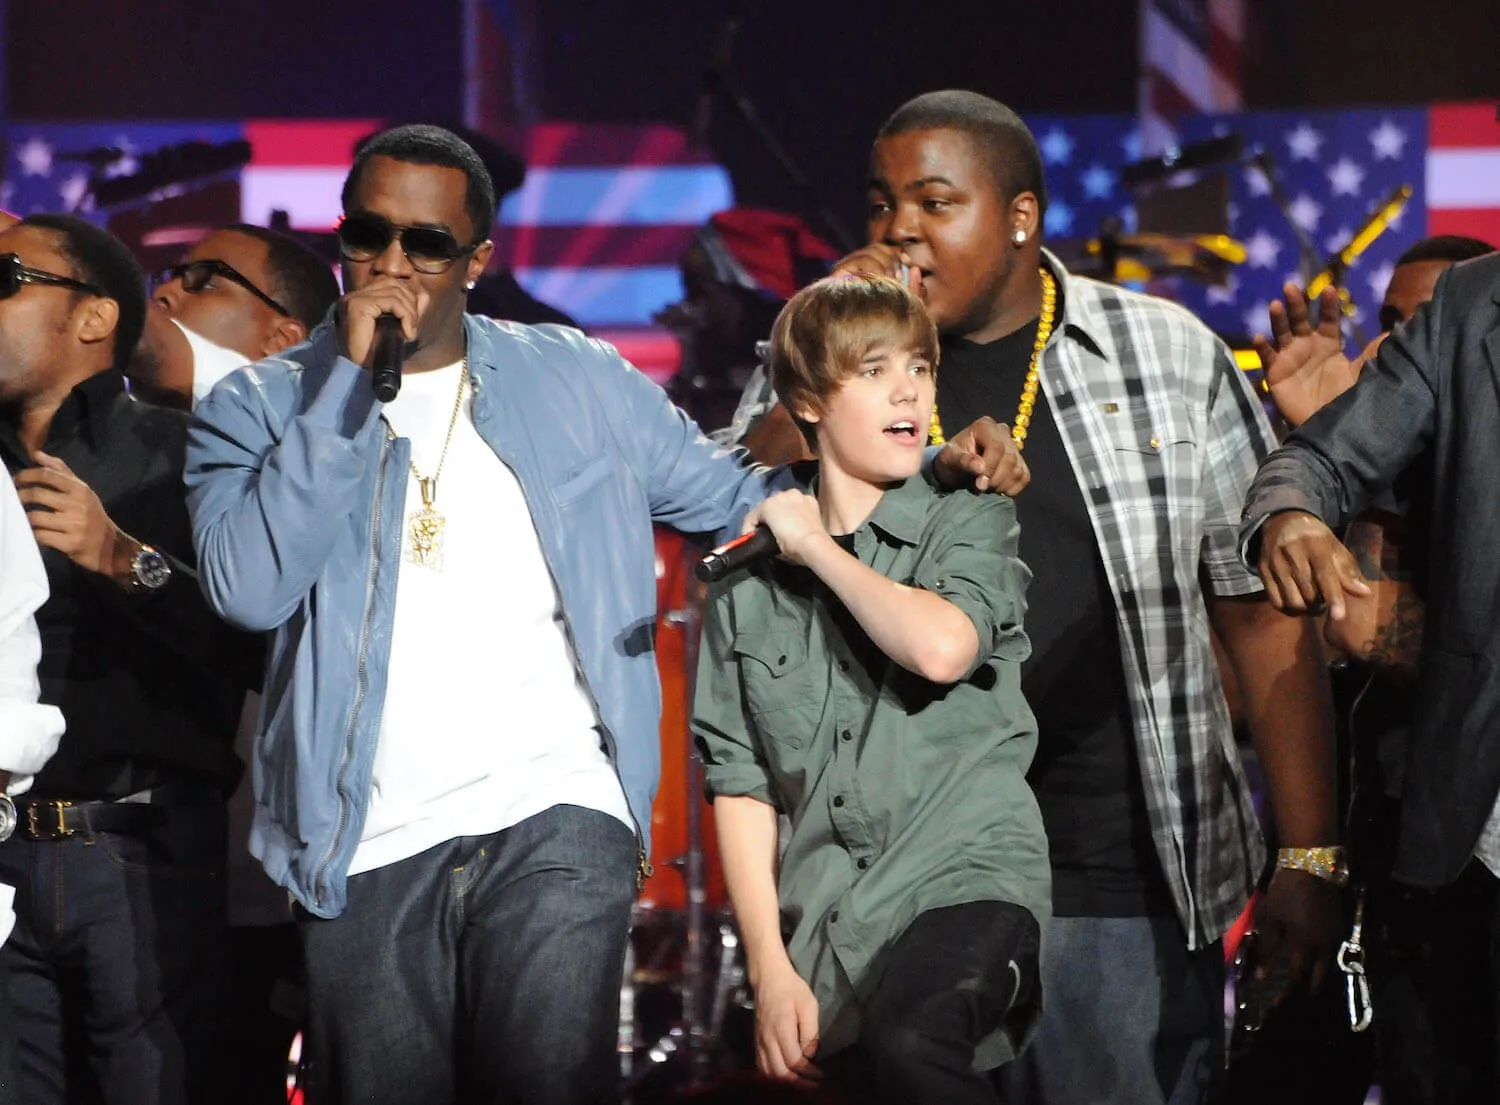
[1432,395]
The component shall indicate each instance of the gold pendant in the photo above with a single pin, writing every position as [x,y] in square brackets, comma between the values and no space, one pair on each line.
[427,530]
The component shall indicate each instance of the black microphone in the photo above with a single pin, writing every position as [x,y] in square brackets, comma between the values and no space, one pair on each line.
[758,544]
[390,351]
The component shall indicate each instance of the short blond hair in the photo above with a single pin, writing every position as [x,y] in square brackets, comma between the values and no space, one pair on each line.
[827,329]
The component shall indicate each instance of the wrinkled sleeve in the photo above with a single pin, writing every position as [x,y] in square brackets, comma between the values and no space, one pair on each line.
[733,764]
[693,484]
[1351,450]
[972,560]
[1239,438]
[269,498]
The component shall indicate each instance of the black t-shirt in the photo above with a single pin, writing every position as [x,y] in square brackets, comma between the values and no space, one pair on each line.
[1086,773]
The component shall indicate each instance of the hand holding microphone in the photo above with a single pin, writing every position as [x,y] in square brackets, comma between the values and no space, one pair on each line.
[746,549]
[377,323]
[783,523]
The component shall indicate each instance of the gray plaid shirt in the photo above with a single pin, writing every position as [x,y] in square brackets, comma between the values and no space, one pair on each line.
[1165,433]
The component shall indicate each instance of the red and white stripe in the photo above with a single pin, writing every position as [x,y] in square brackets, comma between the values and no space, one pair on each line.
[1463,171]
[1191,56]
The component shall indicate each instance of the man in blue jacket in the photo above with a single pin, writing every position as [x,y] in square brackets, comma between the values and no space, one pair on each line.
[459,739]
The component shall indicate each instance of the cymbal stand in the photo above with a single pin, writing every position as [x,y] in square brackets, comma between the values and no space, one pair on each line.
[696,873]
[692,1039]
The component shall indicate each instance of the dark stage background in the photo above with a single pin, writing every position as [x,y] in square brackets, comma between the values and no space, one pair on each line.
[823,74]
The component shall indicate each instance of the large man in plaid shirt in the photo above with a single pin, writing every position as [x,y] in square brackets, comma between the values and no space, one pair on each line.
[1142,438]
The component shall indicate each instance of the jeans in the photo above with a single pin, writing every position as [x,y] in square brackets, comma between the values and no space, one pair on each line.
[1131,1016]
[952,978]
[484,969]
[118,968]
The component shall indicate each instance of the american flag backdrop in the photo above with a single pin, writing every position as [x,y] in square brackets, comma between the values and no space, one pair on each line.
[1191,58]
[1334,168]
[606,211]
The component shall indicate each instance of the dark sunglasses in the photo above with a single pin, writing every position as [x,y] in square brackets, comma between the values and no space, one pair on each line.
[364,237]
[195,276]
[13,274]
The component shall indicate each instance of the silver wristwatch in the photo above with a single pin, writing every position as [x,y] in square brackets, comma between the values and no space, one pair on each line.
[7,817]
[149,570]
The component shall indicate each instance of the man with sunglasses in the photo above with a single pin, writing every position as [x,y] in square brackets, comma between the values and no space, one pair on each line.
[458,800]
[118,962]
[242,293]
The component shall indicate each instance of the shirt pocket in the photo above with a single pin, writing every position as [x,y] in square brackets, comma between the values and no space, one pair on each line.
[783,695]
[1156,456]
[582,479]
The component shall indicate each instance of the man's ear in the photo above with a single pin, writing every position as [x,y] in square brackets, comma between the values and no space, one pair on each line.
[284,333]
[96,320]
[478,261]
[1026,215]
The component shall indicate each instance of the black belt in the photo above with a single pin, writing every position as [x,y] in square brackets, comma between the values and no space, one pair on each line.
[53,819]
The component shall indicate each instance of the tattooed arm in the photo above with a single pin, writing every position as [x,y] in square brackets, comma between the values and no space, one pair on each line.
[1383,630]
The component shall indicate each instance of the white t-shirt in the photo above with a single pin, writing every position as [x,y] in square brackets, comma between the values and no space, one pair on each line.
[211,362]
[486,720]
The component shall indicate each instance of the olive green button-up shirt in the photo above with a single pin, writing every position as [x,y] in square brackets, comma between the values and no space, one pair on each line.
[904,795]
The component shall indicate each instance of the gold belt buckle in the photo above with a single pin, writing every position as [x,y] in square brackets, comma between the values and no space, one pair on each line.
[61,831]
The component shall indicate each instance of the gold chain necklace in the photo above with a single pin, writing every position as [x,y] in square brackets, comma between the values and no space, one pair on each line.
[1033,373]
[427,524]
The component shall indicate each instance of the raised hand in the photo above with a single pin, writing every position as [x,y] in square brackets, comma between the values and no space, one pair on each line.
[1305,366]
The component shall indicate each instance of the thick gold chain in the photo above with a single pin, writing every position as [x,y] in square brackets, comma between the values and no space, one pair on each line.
[428,485]
[1033,372]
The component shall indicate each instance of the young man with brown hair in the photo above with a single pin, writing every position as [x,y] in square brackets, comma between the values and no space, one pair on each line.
[868,687]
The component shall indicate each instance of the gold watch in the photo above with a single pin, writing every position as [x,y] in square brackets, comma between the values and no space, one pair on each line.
[1331,864]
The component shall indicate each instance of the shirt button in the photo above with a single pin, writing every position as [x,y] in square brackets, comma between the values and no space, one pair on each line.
[843,665]
[846,735]
[833,917]
[862,864]
[838,801]
[781,660]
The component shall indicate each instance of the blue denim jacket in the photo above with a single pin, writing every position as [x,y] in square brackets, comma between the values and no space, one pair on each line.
[297,488]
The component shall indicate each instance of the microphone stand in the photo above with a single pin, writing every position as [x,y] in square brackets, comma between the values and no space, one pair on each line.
[1336,268]
[719,82]
[693,975]
[1312,262]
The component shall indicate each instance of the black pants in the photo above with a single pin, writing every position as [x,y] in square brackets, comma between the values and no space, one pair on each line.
[266,1015]
[485,969]
[118,968]
[1434,966]
[951,979]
